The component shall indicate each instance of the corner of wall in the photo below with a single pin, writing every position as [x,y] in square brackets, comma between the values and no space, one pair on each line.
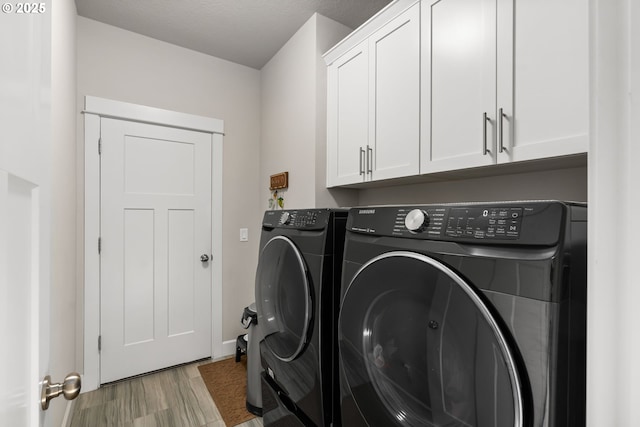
[65,335]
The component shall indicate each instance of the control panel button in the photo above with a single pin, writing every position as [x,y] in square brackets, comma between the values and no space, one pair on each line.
[416,220]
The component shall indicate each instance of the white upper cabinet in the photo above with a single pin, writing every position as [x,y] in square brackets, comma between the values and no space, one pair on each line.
[442,85]
[458,84]
[502,81]
[348,117]
[394,104]
[373,102]
[542,78]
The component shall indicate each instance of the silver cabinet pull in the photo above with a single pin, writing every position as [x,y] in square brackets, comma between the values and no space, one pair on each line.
[485,149]
[369,160]
[70,388]
[204,257]
[501,146]
[361,161]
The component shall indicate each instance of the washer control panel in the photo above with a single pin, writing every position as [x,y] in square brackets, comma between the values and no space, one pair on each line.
[499,223]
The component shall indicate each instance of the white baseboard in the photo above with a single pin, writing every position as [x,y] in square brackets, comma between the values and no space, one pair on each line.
[228,349]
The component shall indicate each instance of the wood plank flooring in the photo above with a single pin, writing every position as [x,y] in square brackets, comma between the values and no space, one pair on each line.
[173,398]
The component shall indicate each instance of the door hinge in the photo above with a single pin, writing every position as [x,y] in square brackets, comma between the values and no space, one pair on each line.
[99,342]
[99,245]
[99,146]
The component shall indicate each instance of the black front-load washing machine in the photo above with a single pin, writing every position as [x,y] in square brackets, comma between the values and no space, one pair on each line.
[297,296]
[464,315]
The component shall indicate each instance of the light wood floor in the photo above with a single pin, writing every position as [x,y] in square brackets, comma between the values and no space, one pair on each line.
[172,398]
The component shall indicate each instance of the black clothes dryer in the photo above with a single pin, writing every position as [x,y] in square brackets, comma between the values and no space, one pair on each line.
[464,315]
[297,297]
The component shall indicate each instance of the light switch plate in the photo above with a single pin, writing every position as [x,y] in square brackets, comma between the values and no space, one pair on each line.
[244,234]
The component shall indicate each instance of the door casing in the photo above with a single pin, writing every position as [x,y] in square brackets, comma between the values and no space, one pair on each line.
[96,108]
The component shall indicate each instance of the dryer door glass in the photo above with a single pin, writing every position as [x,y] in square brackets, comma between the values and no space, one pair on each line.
[283,298]
[419,346]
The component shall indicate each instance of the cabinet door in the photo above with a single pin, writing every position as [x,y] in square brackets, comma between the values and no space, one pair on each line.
[542,78]
[394,111]
[458,84]
[348,117]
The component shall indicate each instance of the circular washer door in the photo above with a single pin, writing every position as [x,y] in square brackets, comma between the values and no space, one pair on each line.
[419,346]
[283,298]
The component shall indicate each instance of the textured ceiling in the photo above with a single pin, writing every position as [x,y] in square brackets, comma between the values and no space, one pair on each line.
[247,32]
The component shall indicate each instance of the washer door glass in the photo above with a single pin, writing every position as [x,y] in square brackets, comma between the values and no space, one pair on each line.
[283,298]
[419,347]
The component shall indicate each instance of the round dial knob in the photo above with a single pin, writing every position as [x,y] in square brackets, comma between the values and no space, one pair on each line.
[285,218]
[416,220]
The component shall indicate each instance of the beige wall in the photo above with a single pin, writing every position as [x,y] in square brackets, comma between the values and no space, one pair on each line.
[63,198]
[287,119]
[613,347]
[557,184]
[293,109]
[124,66]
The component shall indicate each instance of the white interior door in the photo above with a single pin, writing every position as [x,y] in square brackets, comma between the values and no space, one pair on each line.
[155,225]
[24,214]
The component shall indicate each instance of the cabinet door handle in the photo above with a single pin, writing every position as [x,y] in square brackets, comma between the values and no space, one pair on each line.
[369,160]
[361,161]
[485,119]
[501,146]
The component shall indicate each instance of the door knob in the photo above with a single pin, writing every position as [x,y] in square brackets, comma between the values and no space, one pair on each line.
[204,257]
[70,388]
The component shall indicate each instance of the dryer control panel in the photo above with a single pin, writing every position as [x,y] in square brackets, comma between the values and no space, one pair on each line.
[500,223]
[299,219]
